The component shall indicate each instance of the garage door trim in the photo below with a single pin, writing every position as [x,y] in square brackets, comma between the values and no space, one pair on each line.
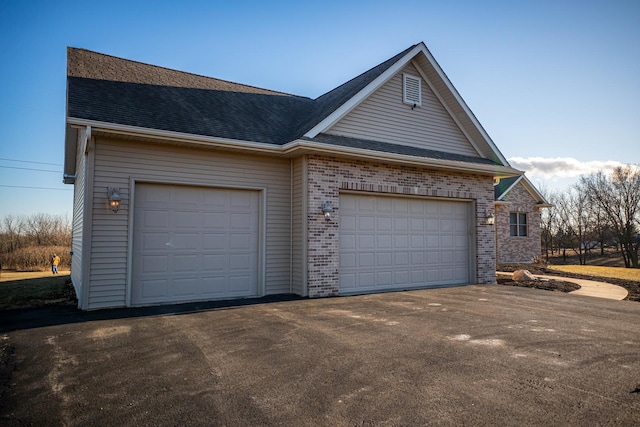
[262,220]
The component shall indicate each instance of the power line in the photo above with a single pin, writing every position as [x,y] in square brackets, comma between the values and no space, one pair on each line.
[29,169]
[37,188]
[28,161]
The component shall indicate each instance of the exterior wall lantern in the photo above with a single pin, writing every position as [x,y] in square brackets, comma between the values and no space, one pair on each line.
[327,210]
[490,218]
[114,198]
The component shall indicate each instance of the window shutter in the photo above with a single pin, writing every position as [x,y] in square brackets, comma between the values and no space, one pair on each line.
[412,89]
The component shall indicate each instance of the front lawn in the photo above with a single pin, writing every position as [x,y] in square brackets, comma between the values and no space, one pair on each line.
[30,289]
[600,271]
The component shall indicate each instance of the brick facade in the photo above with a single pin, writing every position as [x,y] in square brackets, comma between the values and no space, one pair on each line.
[518,249]
[328,176]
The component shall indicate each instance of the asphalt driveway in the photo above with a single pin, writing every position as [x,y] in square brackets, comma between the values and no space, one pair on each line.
[486,355]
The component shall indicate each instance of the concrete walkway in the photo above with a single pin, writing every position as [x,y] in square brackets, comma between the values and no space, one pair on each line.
[589,288]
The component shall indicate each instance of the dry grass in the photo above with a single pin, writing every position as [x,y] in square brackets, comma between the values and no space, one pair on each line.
[599,271]
[9,276]
[38,288]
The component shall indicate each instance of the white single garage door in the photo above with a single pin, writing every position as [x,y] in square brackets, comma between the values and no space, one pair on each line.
[194,243]
[391,243]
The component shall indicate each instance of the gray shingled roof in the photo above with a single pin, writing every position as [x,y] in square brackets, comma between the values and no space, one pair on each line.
[114,90]
[503,186]
[395,148]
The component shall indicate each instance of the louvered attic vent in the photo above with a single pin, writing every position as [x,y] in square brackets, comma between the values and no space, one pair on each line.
[412,90]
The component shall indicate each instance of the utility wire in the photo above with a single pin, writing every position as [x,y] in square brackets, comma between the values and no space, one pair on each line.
[29,169]
[37,188]
[28,161]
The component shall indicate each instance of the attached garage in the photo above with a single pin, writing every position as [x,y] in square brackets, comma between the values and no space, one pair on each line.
[194,243]
[390,242]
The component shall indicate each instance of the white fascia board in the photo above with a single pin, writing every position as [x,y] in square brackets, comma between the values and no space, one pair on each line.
[463,104]
[363,94]
[199,140]
[372,155]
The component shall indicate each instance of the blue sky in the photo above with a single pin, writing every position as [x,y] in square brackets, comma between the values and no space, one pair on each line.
[555,83]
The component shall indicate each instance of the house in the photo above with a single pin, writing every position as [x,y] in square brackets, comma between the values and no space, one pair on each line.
[190,188]
[517,220]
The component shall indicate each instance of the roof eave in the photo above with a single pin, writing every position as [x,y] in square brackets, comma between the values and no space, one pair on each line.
[305,147]
[292,149]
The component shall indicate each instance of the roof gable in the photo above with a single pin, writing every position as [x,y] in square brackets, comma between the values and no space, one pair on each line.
[444,89]
[505,185]
[384,116]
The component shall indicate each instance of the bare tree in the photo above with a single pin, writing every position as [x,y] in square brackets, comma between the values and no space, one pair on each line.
[575,220]
[12,229]
[618,196]
[549,224]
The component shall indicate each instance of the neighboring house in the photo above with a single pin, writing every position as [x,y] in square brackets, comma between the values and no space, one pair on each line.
[190,188]
[518,204]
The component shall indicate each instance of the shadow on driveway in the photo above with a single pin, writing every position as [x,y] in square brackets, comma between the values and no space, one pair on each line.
[38,317]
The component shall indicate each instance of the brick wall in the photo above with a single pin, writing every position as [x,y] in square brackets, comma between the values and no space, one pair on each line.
[327,176]
[518,249]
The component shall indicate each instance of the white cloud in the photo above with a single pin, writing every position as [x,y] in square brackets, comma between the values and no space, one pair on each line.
[564,167]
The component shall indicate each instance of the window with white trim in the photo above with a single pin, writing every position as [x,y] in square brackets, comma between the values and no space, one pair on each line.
[518,224]
[412,90]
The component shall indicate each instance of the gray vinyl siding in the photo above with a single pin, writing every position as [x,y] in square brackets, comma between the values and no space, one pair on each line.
[298,224]
[384,117]
[119,162]
[78,217]
[461,115]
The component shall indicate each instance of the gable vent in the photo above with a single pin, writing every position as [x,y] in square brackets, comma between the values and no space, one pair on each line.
[412,90]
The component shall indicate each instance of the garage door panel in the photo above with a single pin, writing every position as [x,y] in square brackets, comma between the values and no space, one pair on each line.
[428,243]
[154,289]
[215,220]
[155,264]
[366,259]
[184,288]
[214,286]
[401,241]
[366,241]
[384,224]
[240,285]
[154,240]
[418,258]
[241,221]
[240,241]
[348,241]
[186,263]
[155,218]
[384,241]
[384,259]
[194,243]
[215,241]
[348,260]
[366,224]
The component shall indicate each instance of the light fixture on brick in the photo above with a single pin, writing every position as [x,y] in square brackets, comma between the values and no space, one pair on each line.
[490,218]
[327,210]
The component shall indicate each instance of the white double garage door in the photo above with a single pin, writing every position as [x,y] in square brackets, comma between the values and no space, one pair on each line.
[402,243]
[200,243]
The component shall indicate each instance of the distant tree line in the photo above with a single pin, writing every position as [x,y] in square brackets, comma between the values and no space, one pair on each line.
[598,212]
[27,243]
